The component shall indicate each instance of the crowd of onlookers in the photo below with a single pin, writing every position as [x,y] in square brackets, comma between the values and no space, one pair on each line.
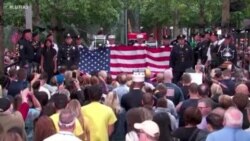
[141,106]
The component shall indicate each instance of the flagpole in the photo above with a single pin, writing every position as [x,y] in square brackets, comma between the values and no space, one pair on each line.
[126,21]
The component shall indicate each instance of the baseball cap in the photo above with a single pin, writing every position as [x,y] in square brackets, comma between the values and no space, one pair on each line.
[4,104]
[149,127]
[138,76]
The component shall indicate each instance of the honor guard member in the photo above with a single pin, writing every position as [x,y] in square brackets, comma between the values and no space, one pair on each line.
[26,51]
[212,57]
[36,44]
[68,54]
[151,42]
[140,41]
[204,47]
[175,42]
[165,43]
[181,58]
[227,53]
[196,49]
[111,41]
[79,44]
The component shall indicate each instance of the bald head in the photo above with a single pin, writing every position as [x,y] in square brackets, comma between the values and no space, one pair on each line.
[103,74]
[168,75]
[160,77]
[242,88]
[233,118]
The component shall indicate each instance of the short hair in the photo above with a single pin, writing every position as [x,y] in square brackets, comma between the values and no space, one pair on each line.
[192,115]
[233,118]
[162,102]
[21,74]
[12,72]
[162,89]
[207,101]
[148,99]
[60,101]
[215,120]
[225,101]
[94,92]
[66,119]
[122,78]
[218,73]
[240,100]
[204,90]
[42,97]
[186,78]
[193,88]
[44,76]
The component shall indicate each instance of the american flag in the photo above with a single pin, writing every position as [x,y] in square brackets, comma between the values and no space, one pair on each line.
[94,60]
[125,59]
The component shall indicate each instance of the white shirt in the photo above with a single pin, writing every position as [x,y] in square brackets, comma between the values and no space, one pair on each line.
[55,46]
[62,136]
[43,89]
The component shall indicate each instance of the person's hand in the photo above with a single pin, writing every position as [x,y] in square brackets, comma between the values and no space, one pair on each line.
[77,84]
[61,87]
[55,70]
[41,68]
[25,95]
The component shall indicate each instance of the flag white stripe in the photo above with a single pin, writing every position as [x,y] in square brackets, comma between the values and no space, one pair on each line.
[126,61]
[123,69]
[140,52]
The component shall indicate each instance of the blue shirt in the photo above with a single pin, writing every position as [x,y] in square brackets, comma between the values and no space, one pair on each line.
[229,134]
[121,90]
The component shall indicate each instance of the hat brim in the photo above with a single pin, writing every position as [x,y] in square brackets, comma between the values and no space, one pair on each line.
[138,126]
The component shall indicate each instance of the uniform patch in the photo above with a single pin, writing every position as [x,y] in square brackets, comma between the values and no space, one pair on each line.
[21,46]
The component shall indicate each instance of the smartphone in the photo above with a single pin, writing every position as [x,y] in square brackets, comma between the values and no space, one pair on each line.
[74,74]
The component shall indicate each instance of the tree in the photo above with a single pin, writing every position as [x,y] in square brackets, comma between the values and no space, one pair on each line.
[1,40]
[225,14]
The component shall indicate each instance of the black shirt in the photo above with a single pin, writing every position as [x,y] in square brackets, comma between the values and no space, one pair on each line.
[184,133]
[26,51]
[48,55]
[132,99]
[181,58]
[186,103]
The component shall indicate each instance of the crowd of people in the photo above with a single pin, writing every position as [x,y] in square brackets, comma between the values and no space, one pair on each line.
[61,103]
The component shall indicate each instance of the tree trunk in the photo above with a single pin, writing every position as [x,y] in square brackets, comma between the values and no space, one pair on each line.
[1,40]
[202,14]
[133,17]
[36,13]
[225,20]
[176,30]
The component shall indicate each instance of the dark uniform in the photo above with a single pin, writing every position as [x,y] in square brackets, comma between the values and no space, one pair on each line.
[37,53]
[68,55]
[203,47]
[181,58]
[26,52]
[227,52]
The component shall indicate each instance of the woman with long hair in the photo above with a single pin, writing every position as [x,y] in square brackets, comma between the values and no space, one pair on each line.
[112,100]
[163,121]
[49,59]
[44,127]
[75,106]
